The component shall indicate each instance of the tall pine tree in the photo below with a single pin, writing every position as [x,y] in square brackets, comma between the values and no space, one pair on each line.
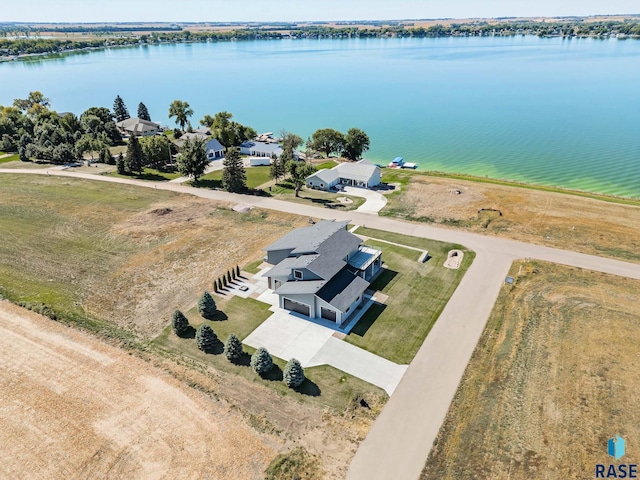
[135,156]
[207,306]
[143,113]
[120,109]
[234,177]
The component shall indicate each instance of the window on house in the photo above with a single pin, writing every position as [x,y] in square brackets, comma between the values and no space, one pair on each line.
[322,184]
[297,274]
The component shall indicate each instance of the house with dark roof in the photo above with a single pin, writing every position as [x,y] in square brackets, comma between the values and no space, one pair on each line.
[362,174]
[321,271]
[138,127]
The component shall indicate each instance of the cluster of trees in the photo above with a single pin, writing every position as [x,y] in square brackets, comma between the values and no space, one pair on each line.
[206,340]
[351,146]
[222,281]
[34,131]
[228,132]
[121,112]
[287,164]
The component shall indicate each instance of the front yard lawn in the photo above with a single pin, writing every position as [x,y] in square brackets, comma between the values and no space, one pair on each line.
[417,292]
[256,176]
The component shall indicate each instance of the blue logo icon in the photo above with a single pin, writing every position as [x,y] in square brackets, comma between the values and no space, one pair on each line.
[616,447]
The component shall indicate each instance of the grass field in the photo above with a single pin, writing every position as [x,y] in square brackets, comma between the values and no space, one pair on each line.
[285,190]
[588,223]
[256,176]
[149,174]
[118,252]
[553,377]
[417,294]
[10,158]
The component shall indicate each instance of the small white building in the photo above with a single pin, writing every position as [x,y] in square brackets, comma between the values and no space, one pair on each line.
[214,149]
[362,174]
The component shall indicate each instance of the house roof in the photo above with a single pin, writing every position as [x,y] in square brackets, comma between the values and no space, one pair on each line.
[190,136]
[283,269]
[343,289]
[262,147]
[362,170]
[326,175]
[307,239]
[214,145]
[137,125]
[300,287]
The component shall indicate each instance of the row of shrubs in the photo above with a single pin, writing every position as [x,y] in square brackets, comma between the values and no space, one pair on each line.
[206,339]
[224,280]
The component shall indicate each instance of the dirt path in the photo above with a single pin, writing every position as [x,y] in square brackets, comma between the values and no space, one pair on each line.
[73,407]
[401,438]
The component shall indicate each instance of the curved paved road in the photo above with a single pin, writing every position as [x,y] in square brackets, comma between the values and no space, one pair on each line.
[400,440]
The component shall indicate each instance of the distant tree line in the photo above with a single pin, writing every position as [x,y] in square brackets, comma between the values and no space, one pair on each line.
[569,28]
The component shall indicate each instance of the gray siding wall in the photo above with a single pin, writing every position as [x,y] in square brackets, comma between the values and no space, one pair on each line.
[375,179]
[276,256]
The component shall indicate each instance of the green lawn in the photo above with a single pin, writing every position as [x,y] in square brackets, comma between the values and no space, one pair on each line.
[327,164]
[326,386]
[253,266]
[417,294]
[285,190]
[256,176]
[11,158]
[149,174]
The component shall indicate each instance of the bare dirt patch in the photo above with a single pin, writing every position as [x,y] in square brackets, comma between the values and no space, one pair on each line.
[553,377]
[547,218]
[75,408]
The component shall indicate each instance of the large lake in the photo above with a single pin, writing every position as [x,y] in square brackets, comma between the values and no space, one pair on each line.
[552,111]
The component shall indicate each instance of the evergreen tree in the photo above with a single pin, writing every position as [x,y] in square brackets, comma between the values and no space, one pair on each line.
[206,338]
[179,323]
[224,280]
[229,279]
[237,271]
[120,109]
[261,361]
[207,306]
[234,177]
[233,348]
[120,166]
[143,113]
[193,160]
[278,169]
[293,374]
[106,157]
[135,156]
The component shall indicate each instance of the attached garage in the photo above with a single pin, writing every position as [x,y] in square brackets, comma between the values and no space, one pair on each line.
[296,307]
[328,314]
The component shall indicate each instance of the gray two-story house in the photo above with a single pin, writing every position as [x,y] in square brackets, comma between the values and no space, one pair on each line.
[322,271]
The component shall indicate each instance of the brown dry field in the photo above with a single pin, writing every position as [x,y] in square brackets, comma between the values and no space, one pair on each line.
[553,377]
[73,407]
[553,219]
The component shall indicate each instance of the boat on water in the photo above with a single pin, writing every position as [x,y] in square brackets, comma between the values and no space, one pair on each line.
[399,162]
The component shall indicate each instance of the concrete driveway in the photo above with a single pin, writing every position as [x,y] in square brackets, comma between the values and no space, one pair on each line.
[374,201]
[287,336]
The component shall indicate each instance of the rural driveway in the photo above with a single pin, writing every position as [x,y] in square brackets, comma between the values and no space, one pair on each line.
[401,438]
[374,201]
[287,336]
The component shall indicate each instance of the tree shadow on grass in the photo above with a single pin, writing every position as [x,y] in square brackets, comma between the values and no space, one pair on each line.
[208,183]
[190,333]
[273,375]
[151,176]
[308,388]
[243,361]
[368,319]
[383,279]
[219,316]
[217,348]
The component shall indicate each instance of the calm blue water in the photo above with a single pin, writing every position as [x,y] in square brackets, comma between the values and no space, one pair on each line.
[549,111]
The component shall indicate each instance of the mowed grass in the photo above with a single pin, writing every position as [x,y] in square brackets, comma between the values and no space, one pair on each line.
[10,158]
[256,176]
[152,174]
[553,377]
[325,385]
[417,294]
[285,190]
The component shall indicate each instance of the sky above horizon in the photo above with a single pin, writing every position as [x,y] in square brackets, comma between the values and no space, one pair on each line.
[298,10]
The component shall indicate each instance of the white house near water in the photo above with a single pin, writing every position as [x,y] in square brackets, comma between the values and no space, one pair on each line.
[362,174]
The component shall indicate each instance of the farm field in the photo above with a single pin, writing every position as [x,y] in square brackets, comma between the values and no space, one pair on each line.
[553,377]
[592,224]
[74,407]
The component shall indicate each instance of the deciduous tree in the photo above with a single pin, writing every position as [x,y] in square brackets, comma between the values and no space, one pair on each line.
[181,111]
[193,161]
[156,150]
[293,374]
[356,142]
[261,361]
[328,141]
[298,172]
[234,177]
